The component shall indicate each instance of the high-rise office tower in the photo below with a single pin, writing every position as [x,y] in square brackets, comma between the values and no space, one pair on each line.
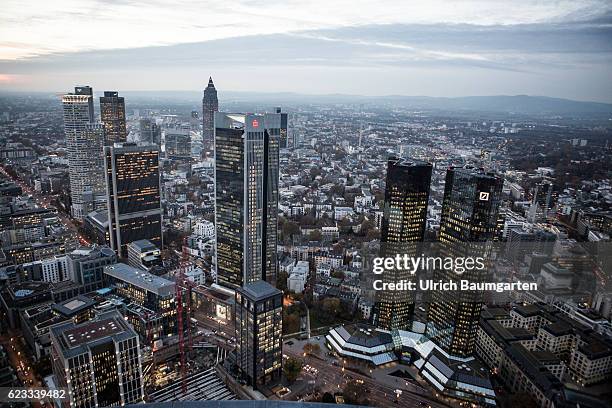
[210,105]
[150,132]
[178,144]
[543,200]
[133,193]
[98,362]
[84,142]
[468,226]
[259,328]
[112,114]
[246,202]
[403,228]
[274,123]
[284,129]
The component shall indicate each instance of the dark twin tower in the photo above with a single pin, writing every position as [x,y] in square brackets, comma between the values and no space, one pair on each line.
[469,213]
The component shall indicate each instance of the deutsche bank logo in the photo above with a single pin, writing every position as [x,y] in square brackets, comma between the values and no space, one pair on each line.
[484,196]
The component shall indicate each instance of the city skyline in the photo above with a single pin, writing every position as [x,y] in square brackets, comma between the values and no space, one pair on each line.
[301,230]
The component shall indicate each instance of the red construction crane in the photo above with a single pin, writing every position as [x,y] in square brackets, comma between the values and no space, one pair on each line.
[183,287]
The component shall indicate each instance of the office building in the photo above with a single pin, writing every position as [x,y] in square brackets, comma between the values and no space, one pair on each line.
[133,193]
[112,114]
[143,254]
[150,132]
[98,362]
[284,129]
[403,227]
[84,141]
[85,266]
[210,105]
[468,225]
[151,300]
[259,328]
[246,197]
[178,144]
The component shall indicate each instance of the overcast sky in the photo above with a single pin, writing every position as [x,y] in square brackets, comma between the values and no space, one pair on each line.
[439,48]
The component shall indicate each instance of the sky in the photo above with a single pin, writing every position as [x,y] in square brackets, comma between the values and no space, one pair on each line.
[560,48]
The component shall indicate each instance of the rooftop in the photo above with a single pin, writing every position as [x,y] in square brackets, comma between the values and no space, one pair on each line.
[142,245]
[141,279]
[74,339]
[259,290]
[74,306]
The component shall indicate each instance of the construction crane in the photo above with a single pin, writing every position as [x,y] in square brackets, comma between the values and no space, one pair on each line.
[183,298]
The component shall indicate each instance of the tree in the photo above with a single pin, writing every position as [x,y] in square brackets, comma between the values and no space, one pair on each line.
[355,393]
[331,305]
[281,280]
[312,348]
[337,274]
[365,227]
[292,369]
[291,323]
[315,235]
[290,228]
[328,398]
[373,234]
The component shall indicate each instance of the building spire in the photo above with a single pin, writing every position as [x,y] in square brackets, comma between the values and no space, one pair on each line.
[210,82]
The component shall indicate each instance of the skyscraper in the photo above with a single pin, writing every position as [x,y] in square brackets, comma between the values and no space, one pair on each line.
[274,123]
[112,114]
[98,362]
[210,105]
[246,202]
[84,142]
[133,193]
[150,132]
[259,329]
[403,227]
[284,134]
[468,225]
[178,144]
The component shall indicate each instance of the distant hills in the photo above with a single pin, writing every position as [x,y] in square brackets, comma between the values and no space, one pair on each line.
[522,104]
[511,104]
[517,104]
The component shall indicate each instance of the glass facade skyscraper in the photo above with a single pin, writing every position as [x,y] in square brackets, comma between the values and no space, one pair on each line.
[133,193]
[469,218]
[259,329]
[246,189]
[112,114]
[150,132]
[283,128]
[84,142]
[403,228]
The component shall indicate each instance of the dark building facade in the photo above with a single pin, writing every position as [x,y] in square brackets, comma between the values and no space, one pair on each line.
[259,328]
[283,129]
[246,174]
[403,228]
[98,362]
[133,194]
[150,132]
[112,114]
[178,144]
[210,105]
[468,225]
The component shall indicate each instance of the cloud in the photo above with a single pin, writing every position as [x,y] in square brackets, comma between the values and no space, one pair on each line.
[80,25]
[566,53]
